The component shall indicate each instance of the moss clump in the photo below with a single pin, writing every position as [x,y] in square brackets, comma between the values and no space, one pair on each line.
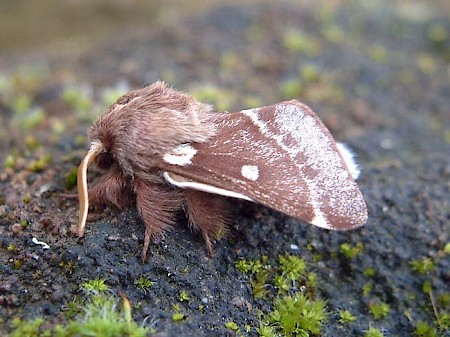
[292,312]
[423,266]
[349,251]
[40,164]
[292,267]
[71,178]
[78,99]
[100,316]
[295,315]
[29,328]
[447,248]
[346,317]
[231,326]
[379,310]
[96,285]
[143,283]
[370,272]
[298,41]
[424,330]
[10,161]
[184,296]
[373,332]
[259,269]
[178,316]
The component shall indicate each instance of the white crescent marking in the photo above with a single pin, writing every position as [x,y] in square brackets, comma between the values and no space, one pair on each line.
[204,188]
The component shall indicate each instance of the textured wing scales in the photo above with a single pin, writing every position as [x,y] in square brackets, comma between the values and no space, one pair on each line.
[283,157]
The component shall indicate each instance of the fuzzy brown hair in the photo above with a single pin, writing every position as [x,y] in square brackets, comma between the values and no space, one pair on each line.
[129,140]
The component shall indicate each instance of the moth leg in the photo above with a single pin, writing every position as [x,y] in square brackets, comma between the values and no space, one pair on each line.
[206,212]
[157,205]
[112,189]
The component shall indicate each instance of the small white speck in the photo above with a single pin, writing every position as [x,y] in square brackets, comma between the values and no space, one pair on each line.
[205,300]
[43,244]
[180,155]
[250,172]
[294,246]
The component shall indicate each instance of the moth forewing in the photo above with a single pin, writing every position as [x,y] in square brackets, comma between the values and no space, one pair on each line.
[94,149]
[283,157]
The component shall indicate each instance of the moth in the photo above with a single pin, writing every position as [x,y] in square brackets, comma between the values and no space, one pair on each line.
[163,151]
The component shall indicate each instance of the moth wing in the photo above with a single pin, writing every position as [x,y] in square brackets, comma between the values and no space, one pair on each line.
[281,156]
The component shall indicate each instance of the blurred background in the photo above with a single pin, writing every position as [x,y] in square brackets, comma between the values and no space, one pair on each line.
[376,72]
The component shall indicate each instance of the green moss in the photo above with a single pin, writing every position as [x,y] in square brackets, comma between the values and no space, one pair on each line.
[222,99]
[31,143]
[423,266]
[26,328]
[333,33]
[251,266]
[309,73]
[292,267]
[11,247]
[447,248]
[349,251]
[373,332]
[426,287]
[21,103]
[99,315]
[298,41]
[378,53]
[259,284]
[438,34]
[26,198]
[40,164]
[444,300]
[369,272]
[143,283]
[282,284]
[77,99]
[346,317]
[296,315]
[178,316]
[292,88]
[17,264]
[28,119]
[379,310]
[312,280]
[10,161]
[96,285]
[111,95]
[422,329]
[443,321]
[184,296]
[71,178]
[266,331]
[231,326]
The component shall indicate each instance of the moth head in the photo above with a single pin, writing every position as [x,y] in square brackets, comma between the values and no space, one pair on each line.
[135,132]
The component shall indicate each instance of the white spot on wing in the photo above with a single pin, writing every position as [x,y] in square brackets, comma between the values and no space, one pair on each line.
[180,155]
[251,172]
[204,188]
[349,158]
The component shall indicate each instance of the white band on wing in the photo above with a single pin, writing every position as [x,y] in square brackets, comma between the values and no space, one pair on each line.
[204,188]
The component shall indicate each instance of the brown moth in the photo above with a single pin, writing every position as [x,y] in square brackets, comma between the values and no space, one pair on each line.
[164,151]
